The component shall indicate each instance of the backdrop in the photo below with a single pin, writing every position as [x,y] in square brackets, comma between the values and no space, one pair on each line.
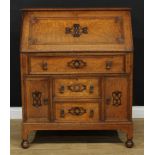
[138,34]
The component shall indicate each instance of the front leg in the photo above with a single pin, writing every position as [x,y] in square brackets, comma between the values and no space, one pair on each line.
[25,134]
[129,143]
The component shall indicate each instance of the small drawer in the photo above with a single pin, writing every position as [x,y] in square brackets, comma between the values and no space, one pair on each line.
[76,88]
[76,112]
[76,64]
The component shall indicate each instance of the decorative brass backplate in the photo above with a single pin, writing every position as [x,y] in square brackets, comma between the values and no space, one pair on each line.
[117,98]
[36,95]
[77,87]
[76,30]
[78,111]
[77,64]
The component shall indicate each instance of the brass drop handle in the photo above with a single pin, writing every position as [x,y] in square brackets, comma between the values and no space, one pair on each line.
[108,100]
[46,101]
[76,30]
[91,89]
[108,65]
[91,114]
[62,113]
[45,66]
[77,87]
[77,64]
[62,89]
[77,111]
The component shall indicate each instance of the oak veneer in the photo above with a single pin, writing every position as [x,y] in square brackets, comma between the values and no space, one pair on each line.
[94,64]
[76,70]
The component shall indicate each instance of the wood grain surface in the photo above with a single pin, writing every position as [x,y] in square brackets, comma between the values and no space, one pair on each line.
[107,31]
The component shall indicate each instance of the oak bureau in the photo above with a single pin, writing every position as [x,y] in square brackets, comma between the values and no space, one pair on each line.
[76,70]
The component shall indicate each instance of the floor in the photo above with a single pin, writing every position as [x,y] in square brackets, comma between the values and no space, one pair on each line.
[78,148]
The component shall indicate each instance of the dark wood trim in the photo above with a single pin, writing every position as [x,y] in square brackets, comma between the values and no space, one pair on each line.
[76,9]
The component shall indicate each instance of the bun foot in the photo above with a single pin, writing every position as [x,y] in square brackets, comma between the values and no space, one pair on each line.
[129,143]
[25,144]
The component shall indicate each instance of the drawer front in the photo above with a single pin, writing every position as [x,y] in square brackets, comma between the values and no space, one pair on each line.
[76,30]
[76,112]
[78,64]
[76,87]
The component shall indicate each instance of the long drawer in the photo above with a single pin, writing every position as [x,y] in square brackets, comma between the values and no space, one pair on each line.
[76,64]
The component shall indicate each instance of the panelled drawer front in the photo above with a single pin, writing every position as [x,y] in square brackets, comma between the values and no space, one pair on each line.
[76,30]
[76,112]
[76,87]
[78,64]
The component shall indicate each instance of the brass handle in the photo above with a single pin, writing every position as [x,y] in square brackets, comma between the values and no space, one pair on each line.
[91,114]
[45,66]
[62,89]
[76,30]
[62,113]
[46,101]
[77,87]
[77,111]
[108,65]
[108,100]
[91,89]
[76,64]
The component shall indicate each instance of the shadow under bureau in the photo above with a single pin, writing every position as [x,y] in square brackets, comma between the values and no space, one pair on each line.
[76,70]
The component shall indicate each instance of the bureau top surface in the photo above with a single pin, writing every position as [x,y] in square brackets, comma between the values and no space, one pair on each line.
[51,9]
[83,30]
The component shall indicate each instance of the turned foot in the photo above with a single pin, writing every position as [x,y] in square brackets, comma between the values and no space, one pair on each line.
[25,144]
[129,143]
